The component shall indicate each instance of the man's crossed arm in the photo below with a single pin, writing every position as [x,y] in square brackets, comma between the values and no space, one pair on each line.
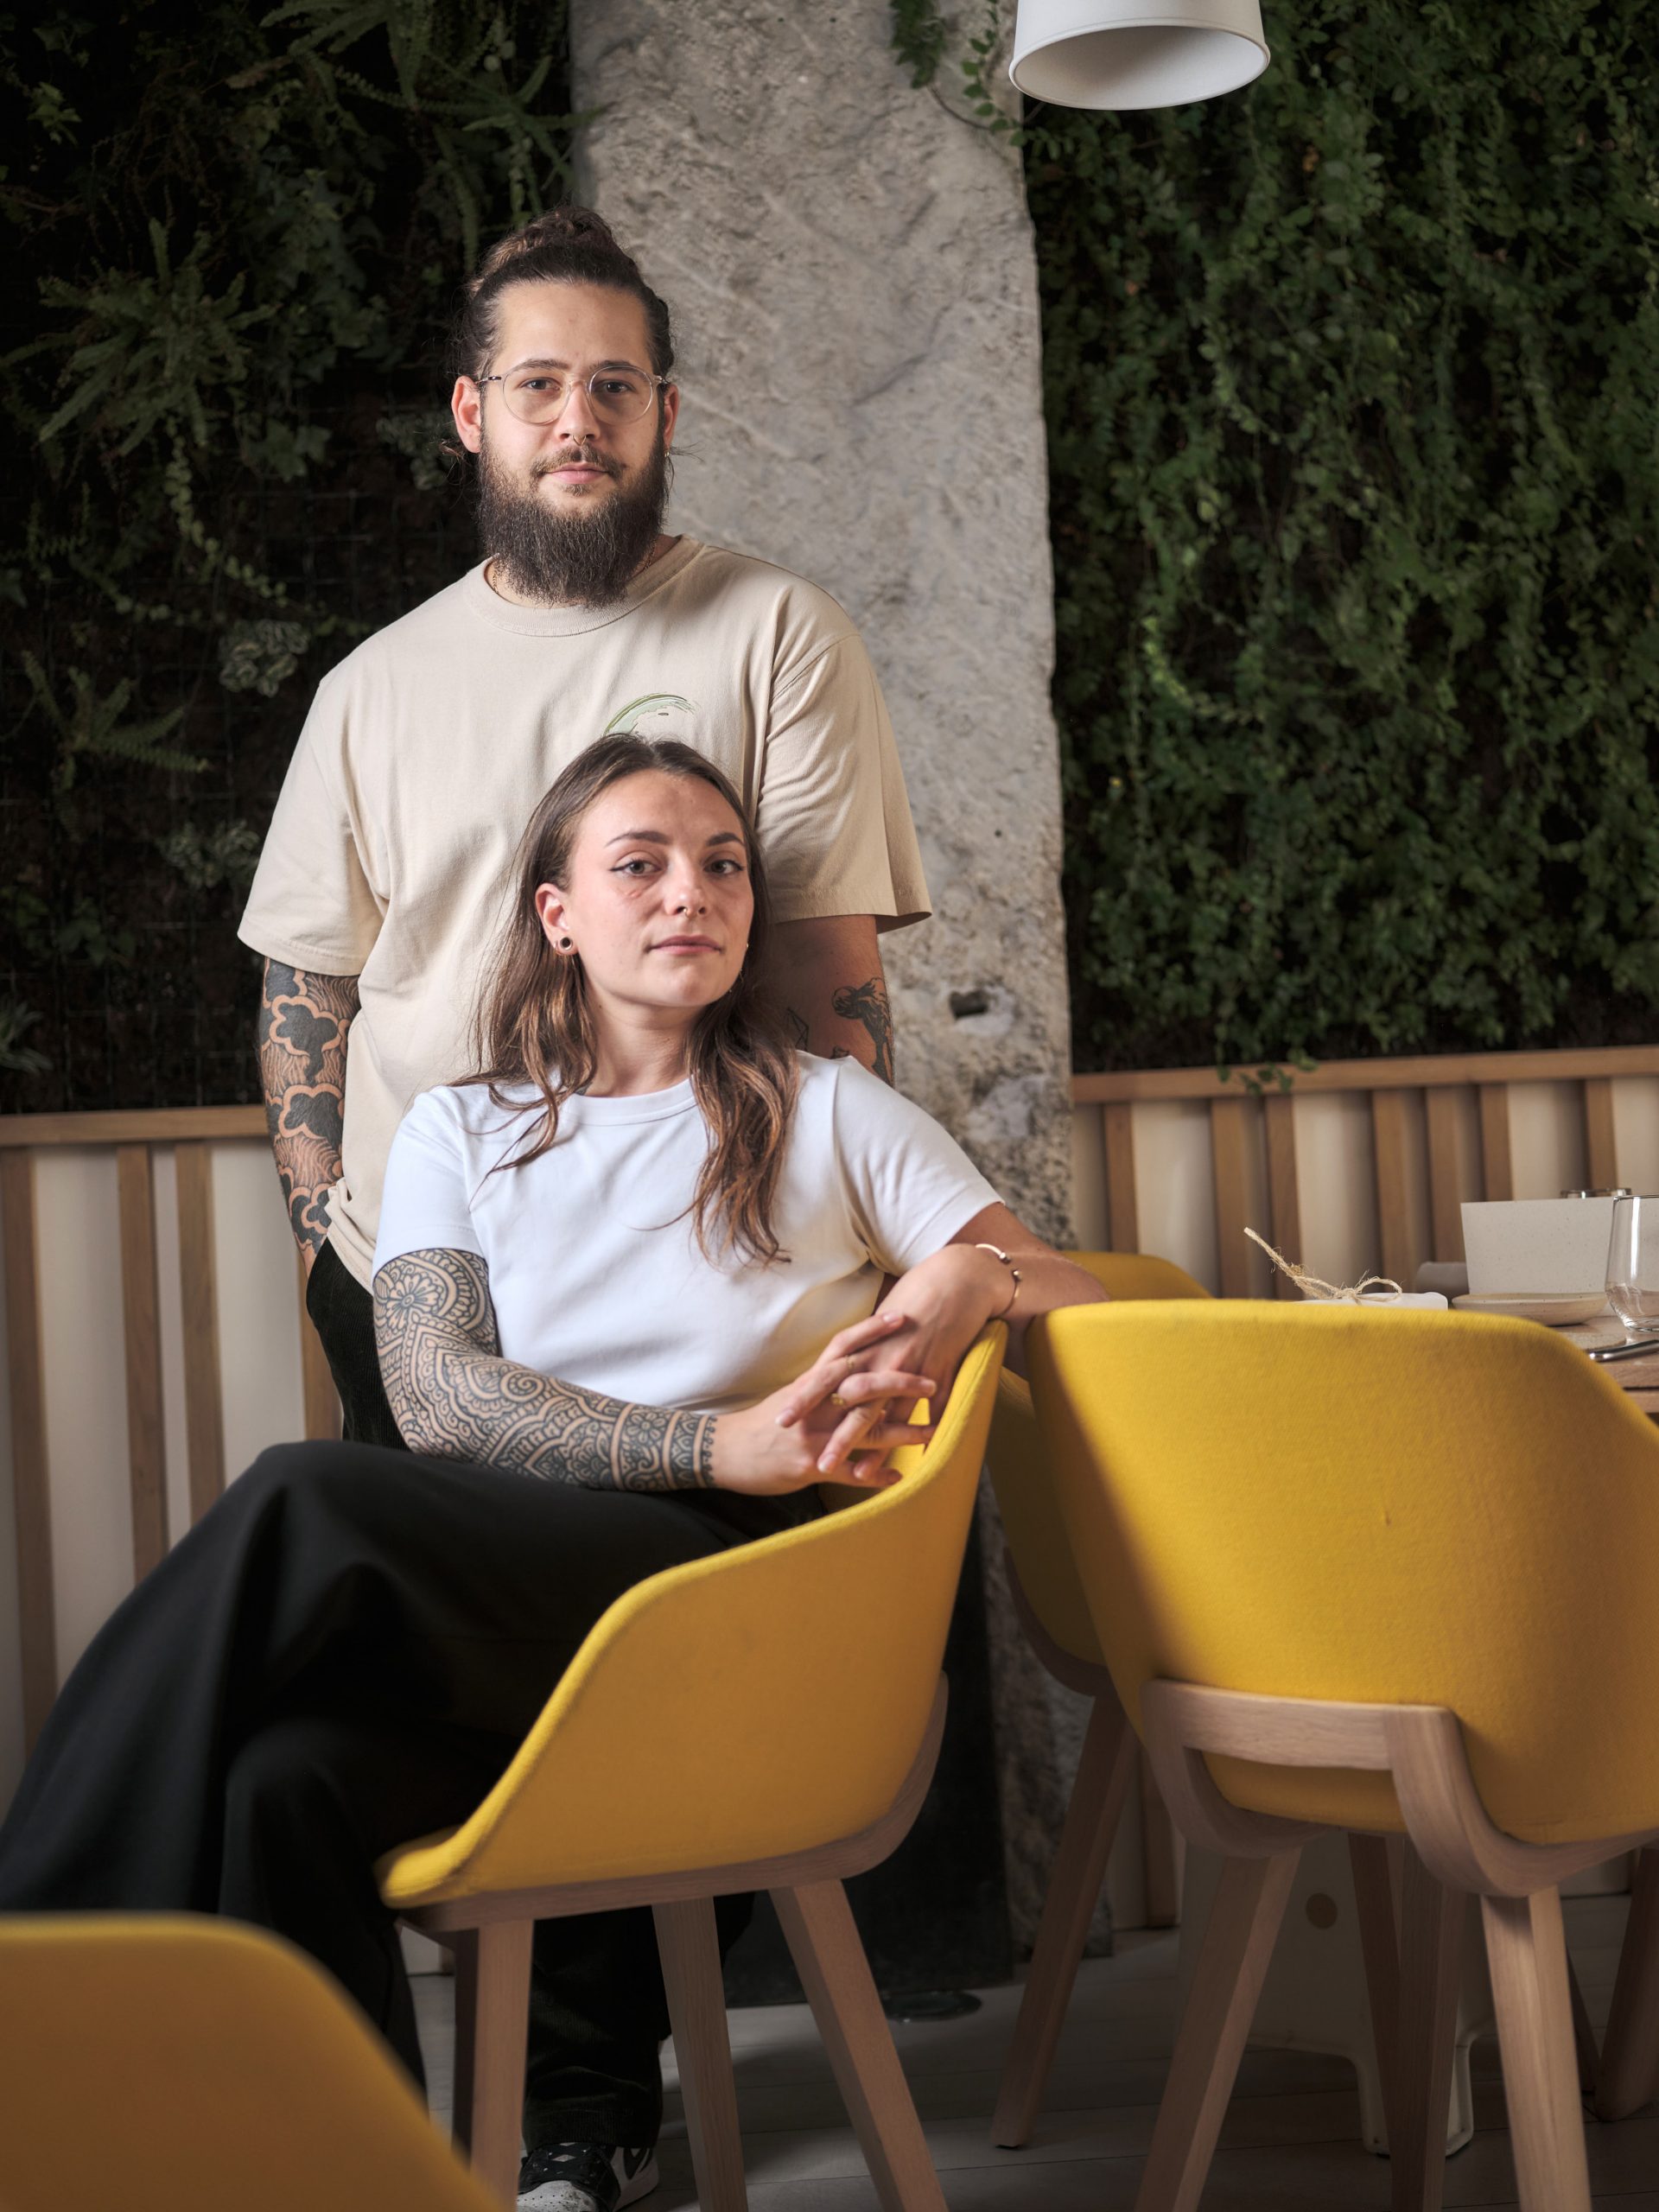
[303,1021]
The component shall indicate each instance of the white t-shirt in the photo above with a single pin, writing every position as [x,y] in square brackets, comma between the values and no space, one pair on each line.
[428,748]
[595,1272]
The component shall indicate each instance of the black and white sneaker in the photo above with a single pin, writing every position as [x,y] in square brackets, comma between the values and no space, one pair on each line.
[586,2178]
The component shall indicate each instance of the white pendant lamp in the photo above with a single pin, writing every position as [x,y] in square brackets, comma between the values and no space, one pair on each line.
[1124,53]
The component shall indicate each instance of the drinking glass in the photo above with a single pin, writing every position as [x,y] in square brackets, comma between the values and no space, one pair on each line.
[1633,1264]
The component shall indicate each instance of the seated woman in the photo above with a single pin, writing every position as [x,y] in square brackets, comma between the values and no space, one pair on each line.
[626,1299]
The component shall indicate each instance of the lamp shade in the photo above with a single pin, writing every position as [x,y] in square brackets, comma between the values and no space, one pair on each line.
[1123,53]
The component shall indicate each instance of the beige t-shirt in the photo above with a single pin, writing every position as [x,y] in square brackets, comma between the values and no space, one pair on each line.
[427,748]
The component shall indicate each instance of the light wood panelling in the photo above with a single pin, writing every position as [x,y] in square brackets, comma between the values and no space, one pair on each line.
[1284,1196]
[1416,1073]
[1121,1212]
[1445,1189]
[31,1499]
[1497,1174]
[1393,1209]
[1229,1136]
[1600,1145]
[160,1125]
[204,1410]
[141,1315]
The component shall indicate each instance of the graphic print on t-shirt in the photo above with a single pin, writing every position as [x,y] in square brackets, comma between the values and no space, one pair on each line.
[655,705]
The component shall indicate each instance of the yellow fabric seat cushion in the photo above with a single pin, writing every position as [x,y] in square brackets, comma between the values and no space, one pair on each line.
[761,1702]
[1037,1536]
[1327,1501]
[172,2063]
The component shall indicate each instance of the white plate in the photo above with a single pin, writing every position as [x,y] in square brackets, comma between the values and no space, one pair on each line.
[1562,1309]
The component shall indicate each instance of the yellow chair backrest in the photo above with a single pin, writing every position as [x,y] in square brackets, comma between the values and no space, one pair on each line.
[760,1702]
[178,2064]
[1037,1536]
[1322,1502]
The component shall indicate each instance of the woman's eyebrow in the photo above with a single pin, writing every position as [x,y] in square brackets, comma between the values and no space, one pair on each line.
[660,837]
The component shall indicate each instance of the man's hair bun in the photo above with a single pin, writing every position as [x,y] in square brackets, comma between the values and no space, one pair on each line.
[559,226]
[566,245]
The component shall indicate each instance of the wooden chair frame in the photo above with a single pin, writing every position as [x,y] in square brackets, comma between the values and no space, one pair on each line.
[491,1936]
[1110,1750]
[1454,1853]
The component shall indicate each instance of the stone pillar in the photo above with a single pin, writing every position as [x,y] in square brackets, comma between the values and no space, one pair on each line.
[849,266]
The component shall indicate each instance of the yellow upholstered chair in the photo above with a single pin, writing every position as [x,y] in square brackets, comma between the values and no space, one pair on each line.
[767,1719]
[1385,1572]
[1054,1609]
[164,2064]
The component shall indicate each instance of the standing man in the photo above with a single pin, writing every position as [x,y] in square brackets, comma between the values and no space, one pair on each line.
[378,893]
[427,748]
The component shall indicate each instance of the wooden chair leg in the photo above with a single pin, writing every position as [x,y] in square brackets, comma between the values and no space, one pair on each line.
[1379,1946]
[491,2022]
[1108,1758]
[687,1943]
[1526,1949]
[1584,2037]
[1232,1965]
[1630,2053]
[823,1941]
[1431,1974]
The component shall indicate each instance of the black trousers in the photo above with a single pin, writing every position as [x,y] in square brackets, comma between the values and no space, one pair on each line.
[345,1653]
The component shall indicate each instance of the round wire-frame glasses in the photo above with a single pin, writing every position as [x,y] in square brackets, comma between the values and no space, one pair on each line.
[618,394]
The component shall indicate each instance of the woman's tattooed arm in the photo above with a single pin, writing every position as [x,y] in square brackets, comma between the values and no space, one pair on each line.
[454,1395]
[303,1020]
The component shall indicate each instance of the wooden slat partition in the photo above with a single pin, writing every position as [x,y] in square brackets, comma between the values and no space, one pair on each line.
[133,1139]
[1121,1212]
[32,1503]
[1600,1145]
[1498,1173]
[1229,1134]
[1445,1191]
[141,1315]
[1471,1089]
[204,1409]
[1284,1195]
[1400,1255]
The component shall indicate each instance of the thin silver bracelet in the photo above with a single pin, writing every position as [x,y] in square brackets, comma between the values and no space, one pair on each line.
[997,1252]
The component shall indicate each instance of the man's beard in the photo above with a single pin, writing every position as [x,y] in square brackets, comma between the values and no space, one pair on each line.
[576,553]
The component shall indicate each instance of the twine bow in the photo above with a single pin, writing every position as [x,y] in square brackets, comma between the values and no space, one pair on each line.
[1313,1287]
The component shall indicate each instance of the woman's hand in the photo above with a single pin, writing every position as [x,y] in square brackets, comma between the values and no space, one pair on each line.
[935,1311]
[783,1443]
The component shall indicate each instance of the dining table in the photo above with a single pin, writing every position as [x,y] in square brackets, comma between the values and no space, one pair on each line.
[1637,1375]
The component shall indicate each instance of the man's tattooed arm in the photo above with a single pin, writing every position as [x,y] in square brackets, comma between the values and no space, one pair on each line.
[867,1004]
[825,975]
[454,1395]
[303,1021]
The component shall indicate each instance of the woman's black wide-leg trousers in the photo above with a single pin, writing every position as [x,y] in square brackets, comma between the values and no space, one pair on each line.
[343,1655]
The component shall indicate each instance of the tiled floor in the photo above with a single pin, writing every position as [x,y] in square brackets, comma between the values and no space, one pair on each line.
[1290,2142]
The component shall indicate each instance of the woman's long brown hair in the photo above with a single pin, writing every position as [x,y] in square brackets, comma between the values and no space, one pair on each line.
[535,1024]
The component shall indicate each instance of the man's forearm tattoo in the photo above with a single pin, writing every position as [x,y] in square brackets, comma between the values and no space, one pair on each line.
[303,1021]
[867,1003]
[454,1395]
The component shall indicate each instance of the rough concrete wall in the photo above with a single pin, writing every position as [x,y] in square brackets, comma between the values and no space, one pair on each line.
[851,269]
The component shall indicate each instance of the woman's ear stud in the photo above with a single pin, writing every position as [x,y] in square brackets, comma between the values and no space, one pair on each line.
[564,944]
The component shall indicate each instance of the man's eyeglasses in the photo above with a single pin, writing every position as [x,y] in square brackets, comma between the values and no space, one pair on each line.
[541,395]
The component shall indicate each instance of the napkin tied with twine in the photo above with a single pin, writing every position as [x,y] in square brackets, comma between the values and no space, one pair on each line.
[1315,1287]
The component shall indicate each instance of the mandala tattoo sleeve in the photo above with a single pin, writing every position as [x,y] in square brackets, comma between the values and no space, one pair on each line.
[303,1021]
[454,1395]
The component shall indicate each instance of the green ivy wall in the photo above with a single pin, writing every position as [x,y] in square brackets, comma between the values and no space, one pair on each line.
[1352,384]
